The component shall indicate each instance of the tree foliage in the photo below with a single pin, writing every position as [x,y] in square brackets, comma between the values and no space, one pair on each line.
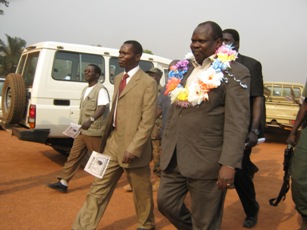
[147,51]
[6,3]
[10,53]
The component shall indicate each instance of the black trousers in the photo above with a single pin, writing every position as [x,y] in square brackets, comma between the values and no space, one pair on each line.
[245,186]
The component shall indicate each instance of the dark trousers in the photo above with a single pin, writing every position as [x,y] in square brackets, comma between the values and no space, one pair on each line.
[245,186]
[207,200]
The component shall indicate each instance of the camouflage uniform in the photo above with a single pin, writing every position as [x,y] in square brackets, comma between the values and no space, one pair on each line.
[156,142]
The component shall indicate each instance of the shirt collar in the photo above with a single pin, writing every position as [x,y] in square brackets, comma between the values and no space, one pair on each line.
[133,71]
[205,63]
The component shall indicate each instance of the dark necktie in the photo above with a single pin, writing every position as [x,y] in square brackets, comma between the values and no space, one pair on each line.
[122,84]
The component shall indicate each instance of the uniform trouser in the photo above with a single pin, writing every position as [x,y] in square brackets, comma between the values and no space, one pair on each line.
[81,146]
[299,174]
[156,151]
[102,189]
[206,201]
[245,186]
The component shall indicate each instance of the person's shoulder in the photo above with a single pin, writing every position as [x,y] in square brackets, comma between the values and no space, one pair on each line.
[144,76]
[119,76]
[237,66]
[248,59]
[238,70]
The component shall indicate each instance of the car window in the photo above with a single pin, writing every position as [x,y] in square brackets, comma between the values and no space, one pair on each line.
[29,68]
[1,86]
[70,66]
[277,90]
[115,69]
[297,92]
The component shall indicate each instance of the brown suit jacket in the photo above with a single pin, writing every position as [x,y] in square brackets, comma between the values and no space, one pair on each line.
[211,134]
[136,113]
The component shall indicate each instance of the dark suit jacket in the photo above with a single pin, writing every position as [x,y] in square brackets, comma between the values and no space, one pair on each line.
[212,133]
[256,85]
[136,115]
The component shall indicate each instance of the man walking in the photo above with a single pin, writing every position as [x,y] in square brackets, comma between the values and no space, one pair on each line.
[94,110]
[204,136]
[127,141]
[243,182]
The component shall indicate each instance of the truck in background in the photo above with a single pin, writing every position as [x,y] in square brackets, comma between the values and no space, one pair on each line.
[282,103]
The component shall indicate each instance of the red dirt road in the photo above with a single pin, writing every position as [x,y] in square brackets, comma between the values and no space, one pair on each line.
[26,202]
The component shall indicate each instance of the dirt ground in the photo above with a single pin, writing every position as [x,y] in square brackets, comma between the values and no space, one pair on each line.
[27,203]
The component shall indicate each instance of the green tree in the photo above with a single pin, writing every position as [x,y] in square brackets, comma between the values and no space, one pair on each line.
[10,53]
[147,52]
[6,3]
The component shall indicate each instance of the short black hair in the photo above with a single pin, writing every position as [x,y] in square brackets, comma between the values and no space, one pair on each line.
[138,49]
[216,29]
[234,33]
[96,68]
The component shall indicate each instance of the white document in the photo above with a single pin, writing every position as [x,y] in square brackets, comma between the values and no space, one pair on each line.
[73,130]
[97,164]
[260,140]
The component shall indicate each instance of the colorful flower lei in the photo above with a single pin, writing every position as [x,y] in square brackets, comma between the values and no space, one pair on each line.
[198,90]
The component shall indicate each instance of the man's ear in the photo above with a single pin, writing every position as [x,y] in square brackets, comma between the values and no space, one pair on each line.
[237,45]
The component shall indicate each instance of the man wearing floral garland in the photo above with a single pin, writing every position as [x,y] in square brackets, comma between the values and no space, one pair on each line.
[244,177]
[204,137]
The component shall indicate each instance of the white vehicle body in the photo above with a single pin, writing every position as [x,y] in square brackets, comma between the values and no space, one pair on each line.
[1,85]
[52,73]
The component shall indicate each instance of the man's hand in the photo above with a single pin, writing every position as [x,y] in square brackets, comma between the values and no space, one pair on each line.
[291,139]
[252,140]
[86,125]
[226,177]
[128,157]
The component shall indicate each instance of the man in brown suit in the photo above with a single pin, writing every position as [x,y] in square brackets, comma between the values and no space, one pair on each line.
[203,144]
[127,141]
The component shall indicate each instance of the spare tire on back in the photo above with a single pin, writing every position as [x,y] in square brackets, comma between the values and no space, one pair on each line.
[13,98]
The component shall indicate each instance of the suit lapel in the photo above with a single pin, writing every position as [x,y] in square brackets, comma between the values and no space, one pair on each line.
[132,83]
[187,74]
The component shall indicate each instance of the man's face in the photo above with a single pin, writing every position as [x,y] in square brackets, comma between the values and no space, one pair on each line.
[127,58]
[90,75]
[203,45]
[229,40]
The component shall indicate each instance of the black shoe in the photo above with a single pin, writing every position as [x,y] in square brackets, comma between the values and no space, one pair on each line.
[251,221]
[58,186]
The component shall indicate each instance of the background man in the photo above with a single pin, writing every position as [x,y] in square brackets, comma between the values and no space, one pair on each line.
[156,74]
[127,141]
[94,110]
[299,161]
[244,177]
[202,144]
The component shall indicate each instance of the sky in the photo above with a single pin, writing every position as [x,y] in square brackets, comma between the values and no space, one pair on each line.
[273,32]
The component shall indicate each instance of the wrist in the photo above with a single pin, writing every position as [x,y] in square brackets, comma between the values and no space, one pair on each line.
[92,119]
[255,131]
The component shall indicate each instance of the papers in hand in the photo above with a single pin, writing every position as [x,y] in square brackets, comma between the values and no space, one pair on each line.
[97,164]
[260,140]
[73,130]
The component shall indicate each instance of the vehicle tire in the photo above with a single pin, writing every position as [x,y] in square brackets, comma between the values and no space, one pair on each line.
[13,98]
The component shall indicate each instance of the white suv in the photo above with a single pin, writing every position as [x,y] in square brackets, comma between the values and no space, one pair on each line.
[41,99]
[1,86]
